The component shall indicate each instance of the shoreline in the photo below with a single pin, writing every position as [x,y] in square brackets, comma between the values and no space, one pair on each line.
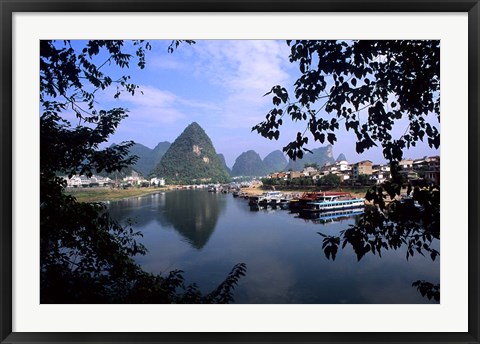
[255,191]
[102,194]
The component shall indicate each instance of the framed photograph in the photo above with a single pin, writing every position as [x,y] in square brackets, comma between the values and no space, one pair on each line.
[265,172]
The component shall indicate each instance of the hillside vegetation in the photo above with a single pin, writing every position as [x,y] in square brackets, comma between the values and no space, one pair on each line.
[192,159]
[249,163]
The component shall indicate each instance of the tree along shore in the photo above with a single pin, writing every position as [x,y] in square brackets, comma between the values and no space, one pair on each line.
[106,194]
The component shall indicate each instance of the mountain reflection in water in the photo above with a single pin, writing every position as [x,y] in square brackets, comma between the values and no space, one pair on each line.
[192,214]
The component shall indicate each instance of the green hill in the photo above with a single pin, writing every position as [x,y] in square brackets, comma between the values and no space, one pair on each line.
[249,163]
[275,161]
[224,163]
[159,151]
[191,159]
[148,158]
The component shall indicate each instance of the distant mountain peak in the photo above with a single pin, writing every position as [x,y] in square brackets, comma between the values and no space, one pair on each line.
[275,161]
[341,157]
[249,163]
[162,144]
[147,158]
[222,159]
[194,126]
[319,156]
[192,158]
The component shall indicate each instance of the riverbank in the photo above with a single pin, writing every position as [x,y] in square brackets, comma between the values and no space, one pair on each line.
[112,194]
[254,191]
[357,193]
[101,194]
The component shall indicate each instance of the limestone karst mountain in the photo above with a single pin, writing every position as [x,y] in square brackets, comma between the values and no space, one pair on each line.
[249,163]
[341,157]
[319,156]
[192,158]
[222,159]
[275,161]
[148,158]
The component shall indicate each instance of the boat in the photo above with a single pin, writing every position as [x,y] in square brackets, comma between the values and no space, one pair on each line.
[276,200]
[284,203]
[266,198]
[299,203]
[254,200]
[331,202]
[215,188]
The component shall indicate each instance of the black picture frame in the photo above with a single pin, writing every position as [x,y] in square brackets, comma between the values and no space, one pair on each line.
[8,7]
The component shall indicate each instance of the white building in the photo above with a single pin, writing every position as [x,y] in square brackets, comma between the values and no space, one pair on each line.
[309,171]
[406,163]
[343,165]
[157,181]
[84,181]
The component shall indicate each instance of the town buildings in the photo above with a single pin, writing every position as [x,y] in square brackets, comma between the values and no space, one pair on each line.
[134,179]
[84,181]
[426,168]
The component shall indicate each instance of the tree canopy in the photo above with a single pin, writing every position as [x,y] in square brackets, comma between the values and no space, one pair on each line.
[86,257]
[330,180]
[370,88]
[368,85]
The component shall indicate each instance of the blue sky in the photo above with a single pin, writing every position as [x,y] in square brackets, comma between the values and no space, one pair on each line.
[220,85]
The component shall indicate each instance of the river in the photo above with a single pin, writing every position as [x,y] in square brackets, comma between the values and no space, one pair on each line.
[205,234]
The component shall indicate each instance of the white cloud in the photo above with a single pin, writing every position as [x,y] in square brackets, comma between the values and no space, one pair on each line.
[219,83]
[245,71]
[166,62]
[162,107]
[155,105]
[192,103]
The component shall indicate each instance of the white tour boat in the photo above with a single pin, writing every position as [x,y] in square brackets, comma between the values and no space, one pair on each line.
[333,202]
[265,198]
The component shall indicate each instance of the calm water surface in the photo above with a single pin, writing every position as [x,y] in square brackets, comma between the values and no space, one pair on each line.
[206,234]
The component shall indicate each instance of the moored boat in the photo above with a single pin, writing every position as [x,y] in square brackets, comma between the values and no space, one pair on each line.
[265,198]
[300,203]
[333,202]
[212,188]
